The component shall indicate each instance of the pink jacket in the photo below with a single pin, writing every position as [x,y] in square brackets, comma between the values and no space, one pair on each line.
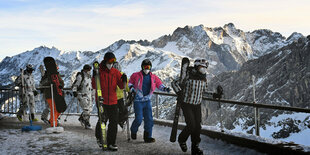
[136,80]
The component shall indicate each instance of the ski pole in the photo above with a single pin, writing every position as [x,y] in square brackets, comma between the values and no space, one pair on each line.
[124,99]
[70,106]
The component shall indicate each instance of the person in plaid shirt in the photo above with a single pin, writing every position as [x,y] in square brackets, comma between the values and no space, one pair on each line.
[193,88]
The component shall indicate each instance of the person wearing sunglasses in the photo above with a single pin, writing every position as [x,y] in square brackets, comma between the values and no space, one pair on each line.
[193,88]
[144,83]
[110,78]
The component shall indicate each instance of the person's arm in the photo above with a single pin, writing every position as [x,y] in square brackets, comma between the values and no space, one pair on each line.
[160,85]
[120,82]
[77,83]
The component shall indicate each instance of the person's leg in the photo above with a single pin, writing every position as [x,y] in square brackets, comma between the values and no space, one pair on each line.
[53,116]
[148,122]
[138,117]
[112,114]
[32,106]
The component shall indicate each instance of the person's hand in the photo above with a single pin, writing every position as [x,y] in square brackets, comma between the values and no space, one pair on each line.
[124,78]
[167,89]
[132,89]
[75,94]
[60,87]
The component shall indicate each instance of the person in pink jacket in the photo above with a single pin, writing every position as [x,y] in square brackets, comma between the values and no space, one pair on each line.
[144,83]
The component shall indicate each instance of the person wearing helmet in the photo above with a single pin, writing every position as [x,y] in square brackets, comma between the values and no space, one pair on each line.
[193,89]
[144,83]
[82,89]
[29,93]
[110,78]
[123,112]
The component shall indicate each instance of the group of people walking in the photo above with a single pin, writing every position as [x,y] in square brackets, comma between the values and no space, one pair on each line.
[142,83]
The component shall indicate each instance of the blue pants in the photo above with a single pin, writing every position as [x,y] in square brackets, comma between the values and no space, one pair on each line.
[143,110]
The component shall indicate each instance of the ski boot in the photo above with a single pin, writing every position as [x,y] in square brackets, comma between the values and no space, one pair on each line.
[133,136]
[196,150]
[183,146]
[148,139]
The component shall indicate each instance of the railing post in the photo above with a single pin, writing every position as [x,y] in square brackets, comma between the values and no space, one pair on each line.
[256,110]
[157,100]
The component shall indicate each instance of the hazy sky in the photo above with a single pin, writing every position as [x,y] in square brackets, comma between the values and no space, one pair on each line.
[94,25]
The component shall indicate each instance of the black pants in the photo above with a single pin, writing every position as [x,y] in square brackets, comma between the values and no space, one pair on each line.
[192,114]
[111,114]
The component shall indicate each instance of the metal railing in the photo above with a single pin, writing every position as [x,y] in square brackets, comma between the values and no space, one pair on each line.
[9,104]
[253,104]
[8,100]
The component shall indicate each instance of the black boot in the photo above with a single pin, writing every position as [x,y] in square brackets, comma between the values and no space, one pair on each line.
[196,150]
[148,139]
[183,146]
[133,136]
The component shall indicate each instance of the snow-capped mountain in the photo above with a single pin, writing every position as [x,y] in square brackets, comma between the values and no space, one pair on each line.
[282,78]
[225,48]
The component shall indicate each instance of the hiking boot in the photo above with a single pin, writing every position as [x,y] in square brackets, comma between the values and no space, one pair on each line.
[113,147]
[133,136]
[148,139]
[196,150]
[183,146]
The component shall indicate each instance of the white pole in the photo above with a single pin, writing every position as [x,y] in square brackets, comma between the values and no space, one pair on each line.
[53,105]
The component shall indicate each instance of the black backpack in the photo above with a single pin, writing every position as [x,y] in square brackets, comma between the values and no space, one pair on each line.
[80,86]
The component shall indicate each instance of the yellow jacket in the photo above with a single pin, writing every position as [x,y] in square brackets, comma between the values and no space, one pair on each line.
[119,92]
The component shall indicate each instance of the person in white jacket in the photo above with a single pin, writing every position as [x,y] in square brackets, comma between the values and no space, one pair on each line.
[27,99]
[82,89]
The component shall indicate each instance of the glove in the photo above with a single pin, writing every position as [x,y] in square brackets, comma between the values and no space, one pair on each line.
[60,86]
[35,93]
[101,99]
[167,89]
[75,94]
[124,78]
[132,89]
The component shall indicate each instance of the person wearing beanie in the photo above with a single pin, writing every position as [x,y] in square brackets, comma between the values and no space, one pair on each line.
[144,83]
[110,78]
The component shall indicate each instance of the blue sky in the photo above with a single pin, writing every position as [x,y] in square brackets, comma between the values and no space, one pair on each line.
[94,25]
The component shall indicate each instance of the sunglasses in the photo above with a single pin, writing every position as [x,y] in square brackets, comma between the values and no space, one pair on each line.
[147,67]
[112,60]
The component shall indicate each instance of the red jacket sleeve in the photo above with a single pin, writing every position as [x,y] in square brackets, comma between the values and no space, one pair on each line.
[119,80]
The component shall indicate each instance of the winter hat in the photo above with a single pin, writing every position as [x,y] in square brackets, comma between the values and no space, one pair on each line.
[29,67]
[108,56]
[201,62]
[146,62]
[87,67]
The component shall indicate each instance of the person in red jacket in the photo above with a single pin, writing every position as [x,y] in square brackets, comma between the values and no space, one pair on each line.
[110,78]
